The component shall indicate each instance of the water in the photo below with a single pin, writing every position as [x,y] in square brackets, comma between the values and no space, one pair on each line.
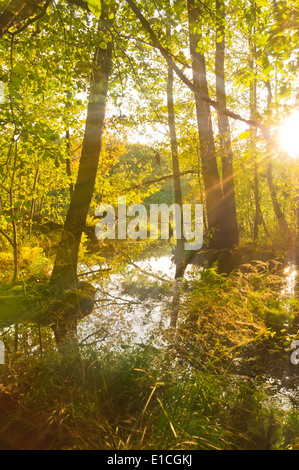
[290,273]
[279,375]
[120,319]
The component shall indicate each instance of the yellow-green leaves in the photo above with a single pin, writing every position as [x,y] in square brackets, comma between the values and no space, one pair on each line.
[95,7]
[244,135]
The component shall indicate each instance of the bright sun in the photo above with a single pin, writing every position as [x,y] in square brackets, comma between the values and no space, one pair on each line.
[289,135]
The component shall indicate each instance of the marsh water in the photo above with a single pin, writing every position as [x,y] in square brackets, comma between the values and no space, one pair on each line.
[274,367]
[126,318]
[123,320]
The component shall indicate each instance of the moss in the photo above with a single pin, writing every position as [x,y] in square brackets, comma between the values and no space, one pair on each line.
[18,305]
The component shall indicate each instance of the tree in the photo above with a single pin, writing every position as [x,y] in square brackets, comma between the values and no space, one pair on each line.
[224,128]
[64,274]
[47,56]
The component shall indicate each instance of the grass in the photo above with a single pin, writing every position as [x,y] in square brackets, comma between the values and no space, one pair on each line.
[135,400]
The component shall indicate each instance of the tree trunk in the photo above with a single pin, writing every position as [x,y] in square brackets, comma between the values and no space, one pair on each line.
[68,161]
[201,191]
[64,273]
[253,132]
[33,201]
[282,223]
[179,254]
[224,131]
[179,250]
[211,178]
[13,216]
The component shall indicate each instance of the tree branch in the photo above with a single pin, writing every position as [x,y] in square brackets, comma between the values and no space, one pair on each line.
[161,178]
[215,104]
[7,237]
[33,20]
[143,271]
[79,3]
[15,12]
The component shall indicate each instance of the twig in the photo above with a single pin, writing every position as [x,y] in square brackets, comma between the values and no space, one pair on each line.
[113,296]
[102,270]
[33,20]
[161,178]
[93,334]
[143,271]
[7,237]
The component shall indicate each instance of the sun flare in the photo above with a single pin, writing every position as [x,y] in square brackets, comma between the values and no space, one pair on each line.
[289,135]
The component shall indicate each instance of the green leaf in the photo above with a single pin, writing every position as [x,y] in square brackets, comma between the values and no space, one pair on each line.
[95,7]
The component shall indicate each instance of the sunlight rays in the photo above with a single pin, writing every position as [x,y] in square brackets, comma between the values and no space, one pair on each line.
[289,135]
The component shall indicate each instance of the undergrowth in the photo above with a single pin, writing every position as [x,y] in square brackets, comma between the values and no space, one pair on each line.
[136,400]
[183,396]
